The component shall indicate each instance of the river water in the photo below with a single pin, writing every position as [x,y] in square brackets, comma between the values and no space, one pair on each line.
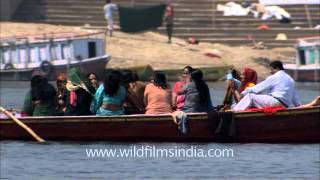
[70,160]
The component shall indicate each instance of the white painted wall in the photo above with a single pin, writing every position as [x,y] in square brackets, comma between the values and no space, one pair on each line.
[80,48]
[101,49]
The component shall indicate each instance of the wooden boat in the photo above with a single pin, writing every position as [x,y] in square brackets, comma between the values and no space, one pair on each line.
[285,126]
[52,54]
[307,65]
[303,73]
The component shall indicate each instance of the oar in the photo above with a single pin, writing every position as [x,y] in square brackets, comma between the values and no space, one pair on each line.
[21,124]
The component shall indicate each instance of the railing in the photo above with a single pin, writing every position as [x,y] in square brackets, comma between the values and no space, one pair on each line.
[50,36]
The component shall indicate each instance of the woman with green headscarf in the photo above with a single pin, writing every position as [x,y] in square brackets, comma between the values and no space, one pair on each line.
[81,93]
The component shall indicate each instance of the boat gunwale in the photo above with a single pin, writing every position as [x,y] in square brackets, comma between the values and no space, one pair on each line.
[106,57]
[150,118]
[45,38]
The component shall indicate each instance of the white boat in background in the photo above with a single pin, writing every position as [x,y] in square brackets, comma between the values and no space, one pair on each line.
[52,54]
[307,66]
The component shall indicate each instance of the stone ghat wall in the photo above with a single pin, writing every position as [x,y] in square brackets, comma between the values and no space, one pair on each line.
[193,18]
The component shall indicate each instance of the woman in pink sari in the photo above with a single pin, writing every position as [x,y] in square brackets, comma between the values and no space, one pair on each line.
[178,100]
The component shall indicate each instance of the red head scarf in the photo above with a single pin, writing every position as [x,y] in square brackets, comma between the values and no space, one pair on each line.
[250,76]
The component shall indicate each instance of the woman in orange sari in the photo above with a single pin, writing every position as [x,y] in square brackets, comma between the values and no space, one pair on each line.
[157,95]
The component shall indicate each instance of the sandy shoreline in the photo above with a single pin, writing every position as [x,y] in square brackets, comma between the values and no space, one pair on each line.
[128,50]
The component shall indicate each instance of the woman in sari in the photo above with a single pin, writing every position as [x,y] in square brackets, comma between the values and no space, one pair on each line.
[110,96]
[249,78]
[178,100]
[133,103]
[157,95]
[81,93]
[40,99]
[197,94]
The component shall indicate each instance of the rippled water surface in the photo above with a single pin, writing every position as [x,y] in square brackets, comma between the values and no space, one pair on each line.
[68,160]
[20,160]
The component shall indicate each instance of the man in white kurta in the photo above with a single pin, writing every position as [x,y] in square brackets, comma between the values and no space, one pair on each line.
[278,89]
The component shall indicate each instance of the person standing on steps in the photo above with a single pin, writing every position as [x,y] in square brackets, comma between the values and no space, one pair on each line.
[108,14]
[168,18]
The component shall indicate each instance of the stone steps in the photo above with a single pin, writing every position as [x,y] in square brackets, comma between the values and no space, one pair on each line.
[184,7]
[196,18]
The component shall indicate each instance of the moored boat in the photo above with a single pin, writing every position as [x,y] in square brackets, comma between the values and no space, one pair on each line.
[304,73]
[307,66]
[52,54]
[285,126]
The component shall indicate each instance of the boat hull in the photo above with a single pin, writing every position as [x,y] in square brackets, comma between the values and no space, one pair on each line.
[97,65]
[288,126]
[306,73]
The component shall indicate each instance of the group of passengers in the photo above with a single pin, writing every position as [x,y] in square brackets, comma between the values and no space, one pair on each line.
[276,90]
[122,93]
[119,93]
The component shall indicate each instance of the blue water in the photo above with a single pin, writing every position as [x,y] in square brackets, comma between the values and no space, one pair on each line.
[68,160]
[26,160]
